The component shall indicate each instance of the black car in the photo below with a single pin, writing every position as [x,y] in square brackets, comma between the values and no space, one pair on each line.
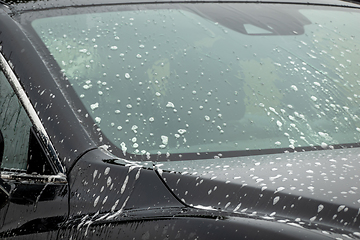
[180,119]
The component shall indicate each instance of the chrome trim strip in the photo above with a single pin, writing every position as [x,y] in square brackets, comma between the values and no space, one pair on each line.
[13,80]
[24,177]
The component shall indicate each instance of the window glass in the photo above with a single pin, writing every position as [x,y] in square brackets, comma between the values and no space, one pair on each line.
[174,81]
[15,127]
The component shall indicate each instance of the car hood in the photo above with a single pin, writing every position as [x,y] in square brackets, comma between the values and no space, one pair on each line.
[293,193]
[319,188]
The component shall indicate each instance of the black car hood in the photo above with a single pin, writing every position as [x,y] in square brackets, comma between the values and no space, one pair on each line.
[312,193]
[319,188]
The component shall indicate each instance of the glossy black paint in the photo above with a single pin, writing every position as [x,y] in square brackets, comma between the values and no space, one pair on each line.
[163,215]
[98,185]
[34,207]
[193,227]
[41,88]
[104,197]
[302,188]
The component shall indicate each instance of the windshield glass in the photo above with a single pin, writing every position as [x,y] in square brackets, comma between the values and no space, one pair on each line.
[192,81]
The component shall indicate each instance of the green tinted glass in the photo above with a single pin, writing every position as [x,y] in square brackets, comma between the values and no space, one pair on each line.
[15,127]
[177,81]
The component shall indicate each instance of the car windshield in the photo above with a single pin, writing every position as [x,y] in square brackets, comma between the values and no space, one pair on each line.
[191,81]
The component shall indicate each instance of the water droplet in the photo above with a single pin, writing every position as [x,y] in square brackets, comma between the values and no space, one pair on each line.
[108,182]
[124,184]
[181,131]
[320,208]
[170,105]
[164,139]
[279,189]
[134,128]
[276,199]
[115,205]
[94,106]
[294,88]
[273,178]
[340,208]
[324,145]
[96,201]
[94,174]
[237,207]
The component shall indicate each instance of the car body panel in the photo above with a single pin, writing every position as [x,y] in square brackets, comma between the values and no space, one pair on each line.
[99,185]
[126,194]
[299,195]
[34,207]
[42,84]
[193,227]
[39,85]
[308,185]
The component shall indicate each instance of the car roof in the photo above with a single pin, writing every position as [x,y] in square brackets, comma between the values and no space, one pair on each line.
[28,5]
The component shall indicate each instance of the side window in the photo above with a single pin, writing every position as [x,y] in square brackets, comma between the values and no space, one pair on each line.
[15,126]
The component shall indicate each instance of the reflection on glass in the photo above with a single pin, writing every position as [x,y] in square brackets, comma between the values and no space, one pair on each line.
[175,81]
